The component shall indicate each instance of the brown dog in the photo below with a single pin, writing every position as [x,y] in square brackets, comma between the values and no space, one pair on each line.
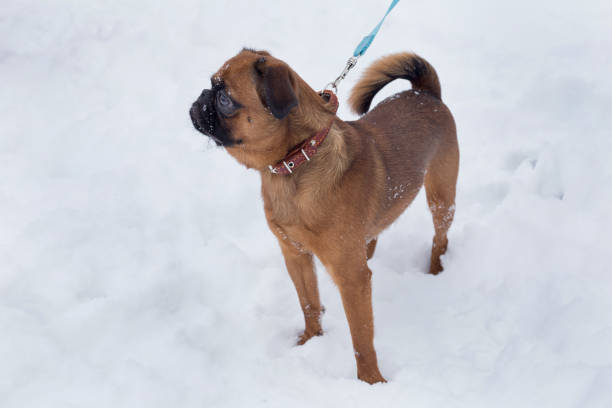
[346,181]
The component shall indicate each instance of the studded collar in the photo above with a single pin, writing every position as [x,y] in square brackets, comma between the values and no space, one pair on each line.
[304,152]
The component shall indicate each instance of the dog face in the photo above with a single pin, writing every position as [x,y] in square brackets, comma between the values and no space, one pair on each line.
[246,108]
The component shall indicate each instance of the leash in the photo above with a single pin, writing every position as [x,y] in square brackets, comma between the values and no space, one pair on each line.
[360,50]
[308,148]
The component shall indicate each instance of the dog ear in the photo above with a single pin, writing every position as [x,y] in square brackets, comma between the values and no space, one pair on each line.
[277,89]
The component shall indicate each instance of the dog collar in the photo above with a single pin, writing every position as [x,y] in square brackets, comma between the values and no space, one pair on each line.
[308,148]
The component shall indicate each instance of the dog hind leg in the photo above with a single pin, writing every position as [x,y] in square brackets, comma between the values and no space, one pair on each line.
[440,185]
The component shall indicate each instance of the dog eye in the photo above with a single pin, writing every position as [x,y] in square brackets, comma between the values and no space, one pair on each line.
[224,103]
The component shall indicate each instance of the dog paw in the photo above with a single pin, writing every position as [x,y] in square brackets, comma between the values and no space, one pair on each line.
[435,268]
[372,378]
[307,335]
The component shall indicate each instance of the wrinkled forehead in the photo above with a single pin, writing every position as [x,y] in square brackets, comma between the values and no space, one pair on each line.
[236,70]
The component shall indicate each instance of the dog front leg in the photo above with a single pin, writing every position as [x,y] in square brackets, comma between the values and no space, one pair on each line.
[301,269]
[354,282]
[370,248]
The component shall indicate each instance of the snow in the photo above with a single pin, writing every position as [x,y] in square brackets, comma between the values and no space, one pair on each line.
[136,265]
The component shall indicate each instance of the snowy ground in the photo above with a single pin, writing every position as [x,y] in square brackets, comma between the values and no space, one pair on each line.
[136,266]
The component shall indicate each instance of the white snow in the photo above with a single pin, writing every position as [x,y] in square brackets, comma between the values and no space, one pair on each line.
[136,267]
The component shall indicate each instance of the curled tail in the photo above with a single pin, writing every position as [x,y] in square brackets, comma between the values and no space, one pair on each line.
[404,65]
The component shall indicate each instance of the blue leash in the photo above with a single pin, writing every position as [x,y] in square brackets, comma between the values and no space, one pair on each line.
[361,49]
[367,40]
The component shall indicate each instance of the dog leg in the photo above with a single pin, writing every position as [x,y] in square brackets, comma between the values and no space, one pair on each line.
[353,278]
[371,247]
[301,269]
[440,182]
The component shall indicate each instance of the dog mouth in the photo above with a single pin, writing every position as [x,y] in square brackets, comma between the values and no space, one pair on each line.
[203,119]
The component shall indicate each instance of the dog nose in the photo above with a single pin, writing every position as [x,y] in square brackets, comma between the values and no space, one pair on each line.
[192,114]
[206,97]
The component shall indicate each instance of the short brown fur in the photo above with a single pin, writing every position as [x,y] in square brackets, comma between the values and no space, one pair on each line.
[364,176]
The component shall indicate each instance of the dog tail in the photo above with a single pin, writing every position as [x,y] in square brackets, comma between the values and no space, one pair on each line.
[404,65]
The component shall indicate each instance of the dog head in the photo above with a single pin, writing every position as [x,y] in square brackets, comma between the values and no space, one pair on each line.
[258,108]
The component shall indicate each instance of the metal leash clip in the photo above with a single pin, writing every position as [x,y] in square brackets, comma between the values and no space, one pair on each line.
[360,50]
[349,65]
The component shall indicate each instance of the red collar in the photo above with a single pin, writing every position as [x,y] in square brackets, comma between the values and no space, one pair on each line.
[308,148]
